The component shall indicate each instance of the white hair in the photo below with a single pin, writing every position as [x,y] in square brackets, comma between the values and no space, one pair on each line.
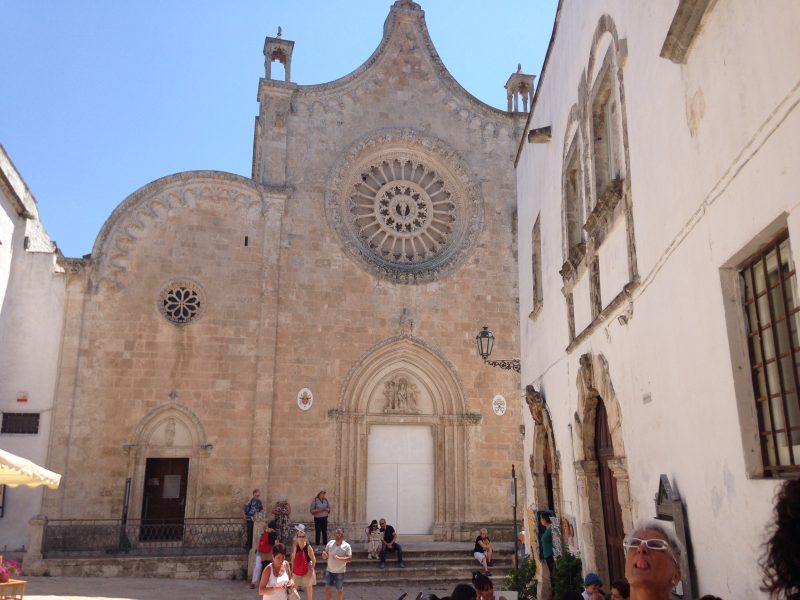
[675,545]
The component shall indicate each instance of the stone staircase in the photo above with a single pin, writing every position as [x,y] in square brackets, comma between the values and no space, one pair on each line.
[435,564]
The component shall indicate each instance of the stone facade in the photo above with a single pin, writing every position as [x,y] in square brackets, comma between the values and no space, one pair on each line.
[374,239]
[655,167]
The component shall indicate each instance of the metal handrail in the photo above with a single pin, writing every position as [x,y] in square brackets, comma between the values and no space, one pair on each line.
[148,537]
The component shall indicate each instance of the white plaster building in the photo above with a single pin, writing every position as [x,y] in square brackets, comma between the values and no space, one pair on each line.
[658,178]
[31,319]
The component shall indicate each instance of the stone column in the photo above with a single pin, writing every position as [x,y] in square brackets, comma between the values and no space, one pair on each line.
[34,562]
[619,468]
[591,517]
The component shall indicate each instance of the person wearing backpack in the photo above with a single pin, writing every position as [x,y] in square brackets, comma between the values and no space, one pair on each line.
[303,562]
[263,552]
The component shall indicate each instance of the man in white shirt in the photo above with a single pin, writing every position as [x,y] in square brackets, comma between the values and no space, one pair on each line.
[338,553]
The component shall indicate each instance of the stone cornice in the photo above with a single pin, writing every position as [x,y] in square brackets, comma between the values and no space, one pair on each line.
[16,189]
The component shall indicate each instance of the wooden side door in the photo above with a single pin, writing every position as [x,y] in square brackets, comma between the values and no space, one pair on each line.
[612,512]
[164,499]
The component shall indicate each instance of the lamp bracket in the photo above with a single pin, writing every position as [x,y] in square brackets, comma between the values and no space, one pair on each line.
[510,364]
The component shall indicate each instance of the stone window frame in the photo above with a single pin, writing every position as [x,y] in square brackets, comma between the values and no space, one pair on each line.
[536,267]
[607,196]
[751,427]
[574,200]
[195,312]
[687,24]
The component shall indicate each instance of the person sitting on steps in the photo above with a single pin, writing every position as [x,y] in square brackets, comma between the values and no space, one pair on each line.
[390,545]
[483,551]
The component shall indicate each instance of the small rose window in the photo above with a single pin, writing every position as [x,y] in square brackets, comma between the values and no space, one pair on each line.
[181,302]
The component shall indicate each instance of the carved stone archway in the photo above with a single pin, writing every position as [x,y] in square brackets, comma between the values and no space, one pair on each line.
[545,458]
[168,431]
[594,383]
[370,396]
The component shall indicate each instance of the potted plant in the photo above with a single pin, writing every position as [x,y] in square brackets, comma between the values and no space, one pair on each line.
[9,570]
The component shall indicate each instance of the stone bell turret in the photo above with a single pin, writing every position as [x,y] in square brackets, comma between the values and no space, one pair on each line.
[274,97]
[519,87]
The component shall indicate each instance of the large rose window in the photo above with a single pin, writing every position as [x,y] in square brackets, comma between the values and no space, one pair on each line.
[408,212]
[402,211]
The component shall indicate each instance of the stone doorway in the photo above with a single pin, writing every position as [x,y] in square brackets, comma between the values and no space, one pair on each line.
[400,477]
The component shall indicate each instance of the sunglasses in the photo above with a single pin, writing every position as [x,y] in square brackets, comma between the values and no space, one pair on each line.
[301,535]
[632,543]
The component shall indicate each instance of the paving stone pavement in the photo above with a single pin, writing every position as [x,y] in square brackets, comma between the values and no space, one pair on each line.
[124,588]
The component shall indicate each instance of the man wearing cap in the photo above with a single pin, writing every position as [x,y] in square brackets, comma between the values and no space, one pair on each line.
[338,553]
[591,586]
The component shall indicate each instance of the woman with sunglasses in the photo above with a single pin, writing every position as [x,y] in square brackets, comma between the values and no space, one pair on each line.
[303,563]
[652,562]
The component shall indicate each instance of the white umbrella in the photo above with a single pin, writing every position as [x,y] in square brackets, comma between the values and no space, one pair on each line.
[15,470]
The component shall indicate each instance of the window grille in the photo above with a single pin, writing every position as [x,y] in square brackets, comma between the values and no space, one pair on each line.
[20,423]
[768,284]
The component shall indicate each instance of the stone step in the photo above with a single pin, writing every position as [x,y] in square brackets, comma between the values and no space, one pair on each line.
[423,567]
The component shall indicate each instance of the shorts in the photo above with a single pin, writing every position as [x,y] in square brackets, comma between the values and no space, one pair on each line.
[307,580]
[334,580]
[480,557]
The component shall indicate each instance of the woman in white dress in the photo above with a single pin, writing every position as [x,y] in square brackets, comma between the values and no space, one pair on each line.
[276,578]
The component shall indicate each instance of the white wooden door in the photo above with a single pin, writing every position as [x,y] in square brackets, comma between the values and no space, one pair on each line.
[400,477]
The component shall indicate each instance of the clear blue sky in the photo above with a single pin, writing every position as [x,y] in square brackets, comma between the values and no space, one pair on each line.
[100,98]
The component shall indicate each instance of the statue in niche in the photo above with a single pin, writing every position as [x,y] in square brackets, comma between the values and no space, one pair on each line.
[400,396]
[406,324]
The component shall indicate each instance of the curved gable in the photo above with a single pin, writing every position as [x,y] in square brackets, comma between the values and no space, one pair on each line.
[158,200]
[405,51]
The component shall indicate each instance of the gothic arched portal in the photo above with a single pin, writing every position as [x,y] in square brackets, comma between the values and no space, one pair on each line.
[403,382]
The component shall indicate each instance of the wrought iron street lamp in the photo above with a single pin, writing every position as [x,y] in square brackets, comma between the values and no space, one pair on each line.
[485,341]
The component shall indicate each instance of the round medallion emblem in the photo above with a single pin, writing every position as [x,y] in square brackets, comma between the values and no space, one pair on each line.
[305,399]
[499,405]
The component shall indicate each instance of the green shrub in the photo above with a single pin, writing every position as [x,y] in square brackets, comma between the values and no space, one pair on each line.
[523,579]
[566,576]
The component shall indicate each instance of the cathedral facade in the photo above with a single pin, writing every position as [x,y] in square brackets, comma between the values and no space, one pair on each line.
[312,327]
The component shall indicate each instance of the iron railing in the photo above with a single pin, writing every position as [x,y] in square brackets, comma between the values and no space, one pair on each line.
[85,538]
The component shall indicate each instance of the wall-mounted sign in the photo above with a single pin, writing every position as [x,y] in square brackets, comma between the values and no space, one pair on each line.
[499,405]
[305,399]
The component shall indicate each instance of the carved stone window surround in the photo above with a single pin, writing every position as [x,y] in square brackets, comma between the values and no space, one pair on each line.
[605,212]
[405,206]
[573,270]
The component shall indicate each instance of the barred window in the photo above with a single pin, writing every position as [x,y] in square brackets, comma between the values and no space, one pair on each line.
[20,423]
[771,309]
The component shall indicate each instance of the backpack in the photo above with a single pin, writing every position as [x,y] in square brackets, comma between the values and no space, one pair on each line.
[264,544]
[300,566]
